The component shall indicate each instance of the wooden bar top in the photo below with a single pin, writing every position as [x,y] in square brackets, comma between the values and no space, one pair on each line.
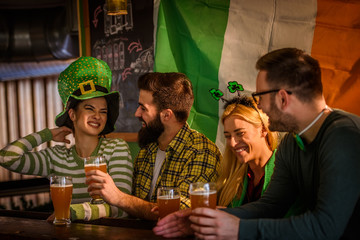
[16,227]
[25,228]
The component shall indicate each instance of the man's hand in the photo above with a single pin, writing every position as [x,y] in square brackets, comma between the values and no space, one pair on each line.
[214,224]
[176,224]
[155,210]
[59,134]
[103,185]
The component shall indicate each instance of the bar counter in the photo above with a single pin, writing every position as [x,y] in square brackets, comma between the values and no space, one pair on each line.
[33,225]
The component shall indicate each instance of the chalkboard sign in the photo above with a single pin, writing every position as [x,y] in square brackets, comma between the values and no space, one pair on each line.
[126,44]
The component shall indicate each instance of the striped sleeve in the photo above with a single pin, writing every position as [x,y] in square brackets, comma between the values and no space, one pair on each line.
[86,211]
[17,156]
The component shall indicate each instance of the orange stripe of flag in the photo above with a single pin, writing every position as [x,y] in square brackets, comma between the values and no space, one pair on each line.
[336,45]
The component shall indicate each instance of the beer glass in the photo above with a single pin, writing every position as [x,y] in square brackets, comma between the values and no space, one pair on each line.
[168,200]
[61,188]
[203,195]
[95,163]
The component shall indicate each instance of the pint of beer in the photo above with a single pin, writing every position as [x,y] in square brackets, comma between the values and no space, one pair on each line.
[168,200]
[61,193]
[202,195]
[95,163]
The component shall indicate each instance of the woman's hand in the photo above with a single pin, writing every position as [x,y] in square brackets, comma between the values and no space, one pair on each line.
[59,134]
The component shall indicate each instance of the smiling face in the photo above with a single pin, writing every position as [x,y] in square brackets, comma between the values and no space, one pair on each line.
[147,111]
[244,139]
[90,116]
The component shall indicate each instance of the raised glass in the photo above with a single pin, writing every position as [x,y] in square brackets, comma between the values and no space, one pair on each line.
[95,163]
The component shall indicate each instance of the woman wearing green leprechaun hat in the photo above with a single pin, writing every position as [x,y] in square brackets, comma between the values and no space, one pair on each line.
[90,112]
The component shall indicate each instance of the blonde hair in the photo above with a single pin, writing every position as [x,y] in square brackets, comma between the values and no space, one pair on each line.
[232,172]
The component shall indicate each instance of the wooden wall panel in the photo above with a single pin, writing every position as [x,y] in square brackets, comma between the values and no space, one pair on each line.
[4,174]
[26,106]
[26,121]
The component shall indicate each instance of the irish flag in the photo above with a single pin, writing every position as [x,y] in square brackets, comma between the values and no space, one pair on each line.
[215,42]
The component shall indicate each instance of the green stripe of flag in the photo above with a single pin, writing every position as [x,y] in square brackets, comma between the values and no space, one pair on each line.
[190,41]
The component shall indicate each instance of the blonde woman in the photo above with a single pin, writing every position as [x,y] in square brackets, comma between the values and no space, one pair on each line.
[249,154]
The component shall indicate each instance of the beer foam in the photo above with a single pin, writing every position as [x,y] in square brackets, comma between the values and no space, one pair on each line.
[94,165]
[57,185]
[202,192]
[167,197]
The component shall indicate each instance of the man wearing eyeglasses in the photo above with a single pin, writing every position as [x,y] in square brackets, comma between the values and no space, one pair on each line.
[317,164]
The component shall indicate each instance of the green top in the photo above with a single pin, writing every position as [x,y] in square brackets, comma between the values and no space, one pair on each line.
[269,168]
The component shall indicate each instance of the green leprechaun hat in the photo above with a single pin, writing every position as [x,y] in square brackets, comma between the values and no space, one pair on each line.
[86,78]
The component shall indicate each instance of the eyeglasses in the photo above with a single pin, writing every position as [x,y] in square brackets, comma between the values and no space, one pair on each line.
[256,95]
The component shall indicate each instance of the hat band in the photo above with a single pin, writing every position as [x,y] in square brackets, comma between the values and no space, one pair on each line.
[97,87]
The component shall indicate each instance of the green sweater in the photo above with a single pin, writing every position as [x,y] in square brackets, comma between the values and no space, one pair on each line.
[60,160]
[326,179]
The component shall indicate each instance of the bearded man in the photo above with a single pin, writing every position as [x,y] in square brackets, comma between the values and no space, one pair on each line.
[171,155]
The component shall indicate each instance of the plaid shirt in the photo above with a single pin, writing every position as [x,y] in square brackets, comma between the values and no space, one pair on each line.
[190,157]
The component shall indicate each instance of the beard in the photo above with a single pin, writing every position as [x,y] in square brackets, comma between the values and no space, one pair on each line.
[151,132]
[279,121]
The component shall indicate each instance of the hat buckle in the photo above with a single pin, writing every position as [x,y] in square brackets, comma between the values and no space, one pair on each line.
[87,84]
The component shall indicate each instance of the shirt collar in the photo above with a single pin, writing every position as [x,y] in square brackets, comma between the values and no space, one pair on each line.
[178,142]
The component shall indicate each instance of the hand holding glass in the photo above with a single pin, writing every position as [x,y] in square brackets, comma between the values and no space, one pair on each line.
[95,163]
[202,195]
[61,193]
[168,200]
